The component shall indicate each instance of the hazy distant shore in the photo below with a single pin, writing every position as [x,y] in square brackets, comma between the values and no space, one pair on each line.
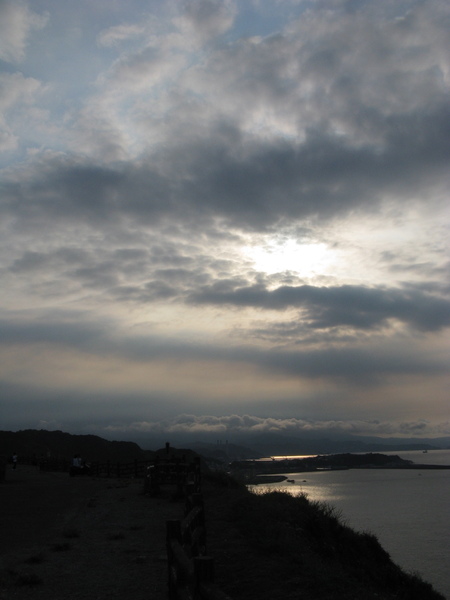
[271,471]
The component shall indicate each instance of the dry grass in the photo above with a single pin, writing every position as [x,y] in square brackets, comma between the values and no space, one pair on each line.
[35,559]
[275,545]
[110,543]
[71,533]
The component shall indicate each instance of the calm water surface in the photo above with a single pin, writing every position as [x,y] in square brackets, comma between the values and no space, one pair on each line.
[408,511]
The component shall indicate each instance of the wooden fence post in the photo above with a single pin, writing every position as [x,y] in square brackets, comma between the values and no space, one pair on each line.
[173,532]
[3,463]
[203,569]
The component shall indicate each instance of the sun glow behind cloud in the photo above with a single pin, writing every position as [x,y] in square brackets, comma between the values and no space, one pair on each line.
[302,259]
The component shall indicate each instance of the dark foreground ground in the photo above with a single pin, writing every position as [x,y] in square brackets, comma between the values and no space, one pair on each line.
[65,538]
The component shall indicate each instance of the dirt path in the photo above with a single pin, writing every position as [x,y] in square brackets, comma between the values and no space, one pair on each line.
[81,538]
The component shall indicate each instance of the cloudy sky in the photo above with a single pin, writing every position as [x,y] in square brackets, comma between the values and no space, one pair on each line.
[221,214]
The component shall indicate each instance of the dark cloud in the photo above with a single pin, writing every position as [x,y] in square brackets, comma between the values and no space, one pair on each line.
[30,261]
[273,182]
[65,332]
[65,189]
[358,307]
[134,198]
[350,362]
[81,410]
[361,366]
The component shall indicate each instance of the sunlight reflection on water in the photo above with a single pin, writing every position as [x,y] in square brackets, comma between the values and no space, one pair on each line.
[406,509]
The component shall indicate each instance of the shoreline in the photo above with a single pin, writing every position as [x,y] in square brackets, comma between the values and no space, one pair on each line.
[252,471]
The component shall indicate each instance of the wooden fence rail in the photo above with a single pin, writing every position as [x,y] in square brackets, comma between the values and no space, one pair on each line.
[157,472]
[135,469]
[190,570]
[179,472]
[109,468]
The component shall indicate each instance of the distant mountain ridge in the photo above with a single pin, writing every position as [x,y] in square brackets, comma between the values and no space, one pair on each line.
[232,443]
[279,445]
[58,444]
[251,445]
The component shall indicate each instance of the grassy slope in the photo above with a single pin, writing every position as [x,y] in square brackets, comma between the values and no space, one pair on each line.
[278,546]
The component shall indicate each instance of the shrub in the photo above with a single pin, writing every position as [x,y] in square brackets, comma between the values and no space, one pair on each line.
[308,539]
[34,559]
[63,547]
[71,533]
[116,536]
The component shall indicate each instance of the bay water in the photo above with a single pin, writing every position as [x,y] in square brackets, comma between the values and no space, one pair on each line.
[408,510]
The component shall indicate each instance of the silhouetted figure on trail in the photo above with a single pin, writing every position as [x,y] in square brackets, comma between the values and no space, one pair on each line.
[79,467]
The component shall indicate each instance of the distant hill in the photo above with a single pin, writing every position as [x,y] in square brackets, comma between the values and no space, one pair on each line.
[275,444]
[57,444]
[224,453]
[240,445]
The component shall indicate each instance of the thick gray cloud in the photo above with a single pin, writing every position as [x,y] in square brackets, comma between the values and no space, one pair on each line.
[365,126]
[354,306]
[226,204]
[273,182]
[355,363]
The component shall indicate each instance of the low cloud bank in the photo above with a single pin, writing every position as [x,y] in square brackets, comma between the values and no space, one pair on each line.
[251,425]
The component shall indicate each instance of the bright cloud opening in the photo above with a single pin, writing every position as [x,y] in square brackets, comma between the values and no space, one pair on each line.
[306,260]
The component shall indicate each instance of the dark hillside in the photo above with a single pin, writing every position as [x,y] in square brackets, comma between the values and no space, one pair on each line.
[58,444]
[275,545]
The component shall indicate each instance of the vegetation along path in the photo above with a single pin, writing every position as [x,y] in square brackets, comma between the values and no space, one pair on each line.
[103,539]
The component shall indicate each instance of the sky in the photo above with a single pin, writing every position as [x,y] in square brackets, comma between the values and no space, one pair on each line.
[225,216]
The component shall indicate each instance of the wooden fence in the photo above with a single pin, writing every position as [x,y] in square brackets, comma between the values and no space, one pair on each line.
[185,475]
[190,570]
[134,469]
[109,468]
[164,470]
